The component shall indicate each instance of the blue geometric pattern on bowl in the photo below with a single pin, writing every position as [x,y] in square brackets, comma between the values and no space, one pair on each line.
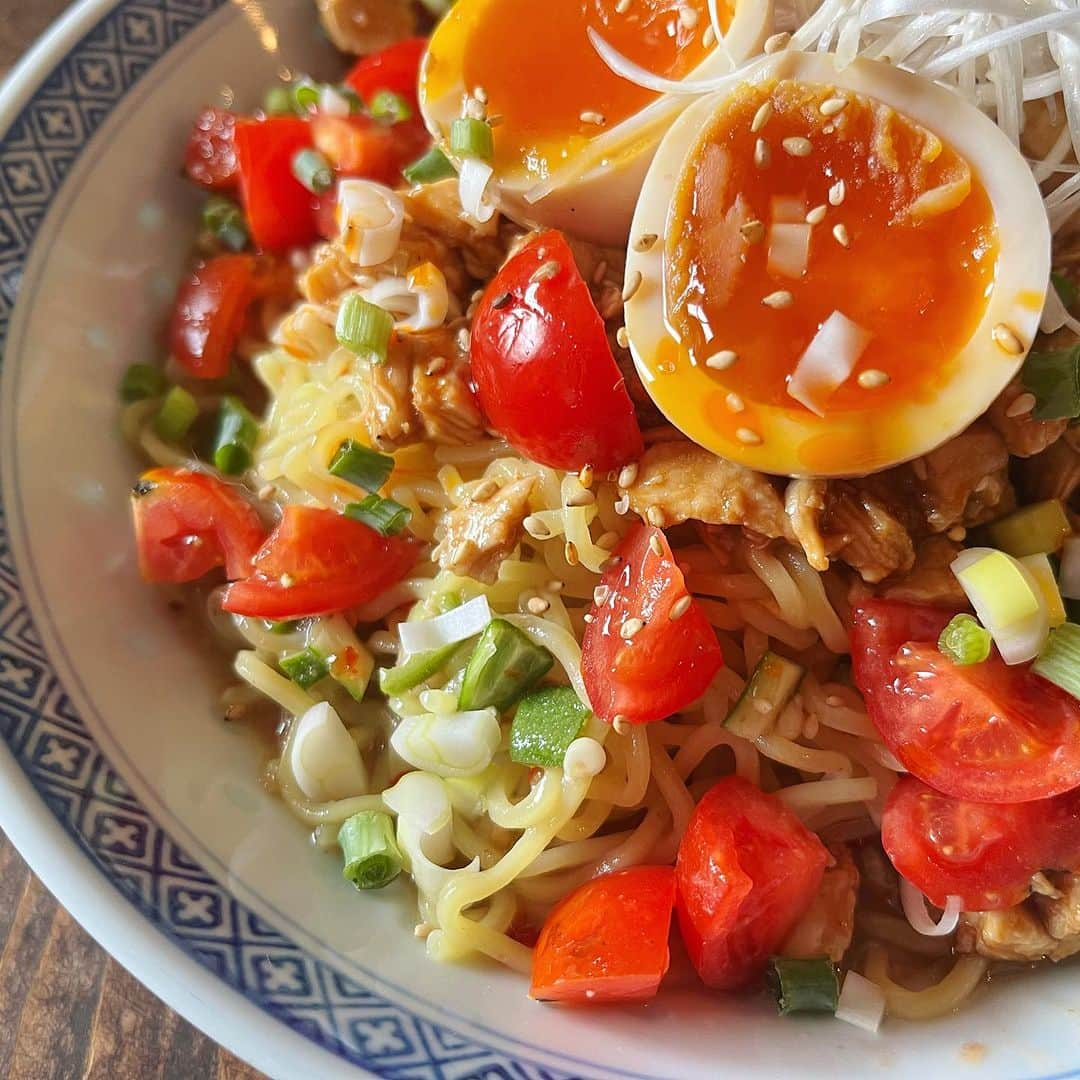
[38,722]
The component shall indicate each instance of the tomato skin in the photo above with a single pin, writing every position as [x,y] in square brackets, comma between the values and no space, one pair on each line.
[935,715]
[984,853]
[280,211]
[395,68]
[665,666]
[208,314]
[544,371]
[360,146]
[747,870]
[329,563]
[188,523]
[608,940]
[210,155]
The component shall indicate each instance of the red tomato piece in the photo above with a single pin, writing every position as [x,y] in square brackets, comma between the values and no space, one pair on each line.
[668,663]
[747,870]
[210,157]
[317,562]
[544,371]
[984,853]
[989,732]
[359,146]
[280,211]
[189,523]
[395,68]
[607,940]
[208,314]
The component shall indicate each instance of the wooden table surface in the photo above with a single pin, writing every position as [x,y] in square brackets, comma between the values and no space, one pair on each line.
[66,1008]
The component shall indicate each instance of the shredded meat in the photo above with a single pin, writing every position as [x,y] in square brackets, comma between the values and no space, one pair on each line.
[966,481]
[363,26]
[1023,435]
[478,535]
[1055,473]
[826,927]
[930,581]
[804,503]
[862,532]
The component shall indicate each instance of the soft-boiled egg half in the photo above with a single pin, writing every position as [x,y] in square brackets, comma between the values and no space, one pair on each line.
[833,271]
[571,139]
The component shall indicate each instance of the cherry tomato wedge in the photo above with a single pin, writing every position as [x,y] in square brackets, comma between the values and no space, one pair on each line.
[670,661]
[360,146]
[395,68]
[280,211]
[210,156]
[988,732]
[317,562]
[543,367]
[607,940]
[189,523]
[747,870]
[984,853]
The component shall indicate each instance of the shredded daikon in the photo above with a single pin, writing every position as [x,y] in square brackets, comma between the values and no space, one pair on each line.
[422,635]
[828,361]
[861,1003]
[473,177]
[914,905]
[789,249]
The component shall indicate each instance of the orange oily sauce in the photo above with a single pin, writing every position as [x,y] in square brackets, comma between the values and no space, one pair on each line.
[915,274]
[541,73]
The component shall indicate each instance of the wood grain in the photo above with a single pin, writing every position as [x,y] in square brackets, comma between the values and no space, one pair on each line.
[68,1010]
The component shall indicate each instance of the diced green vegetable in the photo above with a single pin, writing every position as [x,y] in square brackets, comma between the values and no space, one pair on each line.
[447,601]
[803,985]
[1067,289]
[471,138]
[225,221]
[234,442]
[1036,529]
[142,381]
[305,668]
[369,849]
[965,641]
[1059,662]
[278,101]
[364,328]
[305,96]
[389,108]
[416,670]
[176,415]
[312,170]
[505,664]
[434,165]
[385,516]
[545,724]
[1054,379]
[771,686]
[362,466]
[286,626]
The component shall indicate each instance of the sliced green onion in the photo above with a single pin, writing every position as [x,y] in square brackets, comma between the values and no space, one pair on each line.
[305,96]
[1032,530]
[356,102]
[1054,379]
[471,138]
[1042,572]
[369,849]
[364,327]
[389,108]
[385,516]
[305,668]
[225,221]
[234,442]
[964,641]
[142,381]
[505,664]
[1059,662]
[176,415]
[434,165]
[1067,289]
[771,686]
[278,101]
[416,670]
[286,626]
[362,466]
[312,170]
[803,985]
[545,724]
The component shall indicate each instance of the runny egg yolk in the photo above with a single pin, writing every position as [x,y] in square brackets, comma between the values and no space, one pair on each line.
[543,78]
[902,242]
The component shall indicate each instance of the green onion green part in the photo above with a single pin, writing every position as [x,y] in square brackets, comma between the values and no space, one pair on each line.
[505,664]
[416,670]
[1037,529]
[356,102]
[285,626]
[362,466]
[389,108]
[471,138]
[434,165]
[771,686]
[176,415]
[803,985]
[364,328]
[383,515]
[545,724]
[278,101]
[305,668]
[370,852]
[1067,289]
[965,640]
[142,381]
[224,220]
[312,170]
[305,96]
[234,442]
[1054,379]
[1059,662]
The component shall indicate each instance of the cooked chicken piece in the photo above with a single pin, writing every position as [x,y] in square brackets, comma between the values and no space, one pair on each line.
[929,581]
[364,26]
[1061,914]
[804,503]
[1023,436]
[1055,473]
[388,411]
[445,403]
[437,208]
[477,536]
[328,276]
[861,531]
[966,481]
[826,927]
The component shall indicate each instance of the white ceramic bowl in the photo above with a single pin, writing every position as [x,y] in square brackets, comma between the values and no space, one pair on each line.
[119,783]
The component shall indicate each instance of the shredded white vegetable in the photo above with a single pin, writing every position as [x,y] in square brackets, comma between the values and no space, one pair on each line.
[828,361]
[861,1003]
[914,904]
[789,249]
[422,635]
[473,178]
[369,218]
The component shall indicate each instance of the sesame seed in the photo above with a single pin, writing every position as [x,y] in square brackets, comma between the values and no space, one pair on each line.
[762,116]
[797,146]
[645,241]
[761,705]
[501,301]
[1024,403]
[587,618]
[840,235]
[708,39]
[873,378]
[722,360]
[546,270]
[608,540]
[622,338]
[495,119]
[481,95]
[630,628]
[734,402]
[589,116]
[483,491]
[423,930]
[555,585]
[633,283]
[834,701]
[610,563]
[286,581]
[627,475]
[621,725]
[266,491]
[688,18]
[656,546]
[622,7]
[776,42]
[1006,339]
[779,299]
[622,504]
[584,497]
[679,608]
[537,605]
[817,215]
[600,272]
[570,553]
[762,154]
[655,516]
[586,476]
[437,365]
[753,232]
[837,193]
[957,533]
[831,106]
[666,368]
[748,436]
[536,527]
[918,467]
[600,595]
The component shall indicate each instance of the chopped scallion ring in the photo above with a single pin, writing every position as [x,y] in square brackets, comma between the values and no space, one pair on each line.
[471,138]
[278,101]
[803,985]
[313,171]
[416,670]
[362,466]
[434,165]
[385,516]
[964,641]
[371,855]
[364,327]
[142,381]
[176,415]
[305,668]
[504,665]
[224,220]
[390,108]
[305,96]
[1059,662]
[234,443]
